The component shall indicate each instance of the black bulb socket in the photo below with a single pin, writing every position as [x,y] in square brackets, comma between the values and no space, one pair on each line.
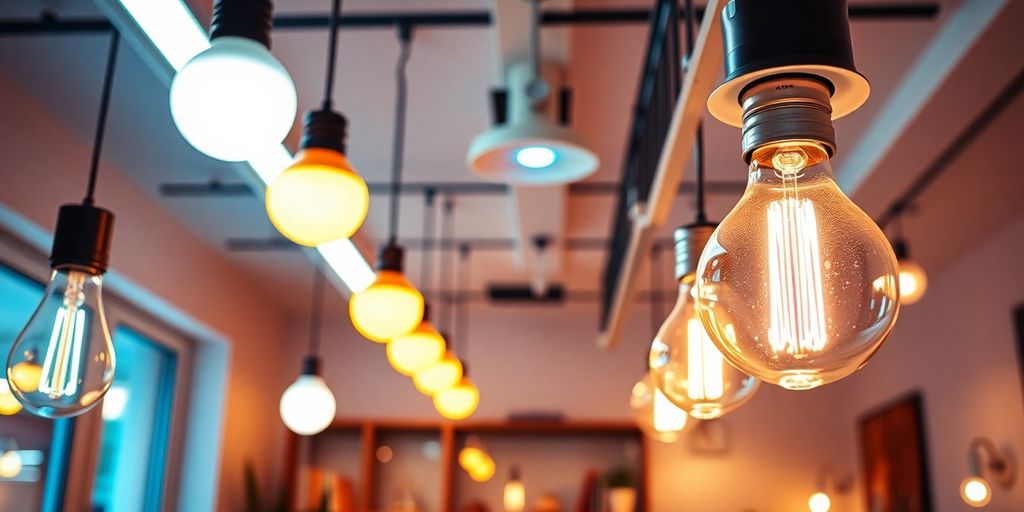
[311,365]
[899,247]
[689,244]
[249,19]
[391,257]
[515,474]
[324,129]
[81,240]
[759,35]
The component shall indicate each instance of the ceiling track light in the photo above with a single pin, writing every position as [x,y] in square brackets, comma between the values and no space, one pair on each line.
[532,148]
[391,306]
[986,464]
[308,406]
[822,269]
[234,100]
[62,362]
[320,197]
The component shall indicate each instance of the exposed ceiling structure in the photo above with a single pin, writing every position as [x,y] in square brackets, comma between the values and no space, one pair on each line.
[451,73]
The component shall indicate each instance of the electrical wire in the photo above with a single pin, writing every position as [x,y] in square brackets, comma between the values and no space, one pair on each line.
[447,226]
[698,147]
[461,324]
[332,50]
[398,144]
[316,312]
[101,121]
[428,238]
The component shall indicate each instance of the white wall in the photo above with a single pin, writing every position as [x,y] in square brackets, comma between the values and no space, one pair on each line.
[45,165]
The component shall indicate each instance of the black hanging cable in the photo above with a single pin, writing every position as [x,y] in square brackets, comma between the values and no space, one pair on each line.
[101,122]
[316,312]
[428,239]
[398,144]
[698,148]
[461,327]
[447,225]
[332,50]
[655,303]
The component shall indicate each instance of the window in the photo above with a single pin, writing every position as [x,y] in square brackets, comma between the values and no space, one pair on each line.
[136,421]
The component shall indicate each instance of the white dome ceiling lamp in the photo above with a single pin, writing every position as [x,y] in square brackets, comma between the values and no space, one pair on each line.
[531,148]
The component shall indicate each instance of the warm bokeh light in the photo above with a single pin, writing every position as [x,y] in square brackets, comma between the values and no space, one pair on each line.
[819,502]
[913,281]
[10,464]
[389,308]
[975,491]
[318,199]
[443,375]
[471,457]
[9,405]
[459,401]
[484,471]
[416,351]
[26,376]
[514,497]
[655,415]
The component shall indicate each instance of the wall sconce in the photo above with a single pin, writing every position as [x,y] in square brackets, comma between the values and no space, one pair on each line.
[820,500]
[985,460]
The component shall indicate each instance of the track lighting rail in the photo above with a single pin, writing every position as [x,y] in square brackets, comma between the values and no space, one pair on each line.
[50,24]
[276,244]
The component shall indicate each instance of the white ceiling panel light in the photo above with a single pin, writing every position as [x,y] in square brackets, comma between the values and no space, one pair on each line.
[531,148]
[170,27]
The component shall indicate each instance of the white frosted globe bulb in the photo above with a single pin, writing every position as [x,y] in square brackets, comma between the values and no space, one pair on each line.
[819,502]
[307,406]
[233,100]
[797,286]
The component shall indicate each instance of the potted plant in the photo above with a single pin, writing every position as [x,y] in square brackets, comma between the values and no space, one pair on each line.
[620,489]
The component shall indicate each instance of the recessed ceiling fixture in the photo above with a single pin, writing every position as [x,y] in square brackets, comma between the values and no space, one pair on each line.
[685,364]
[424,346]
[320,197]
[62,363]
[307,407]
[459,401]
[234,99]
[822,269]
[391,306]
[531,148]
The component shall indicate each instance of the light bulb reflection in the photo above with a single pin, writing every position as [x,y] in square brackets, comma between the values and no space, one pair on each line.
[9,405]
[535,157]
[975,491]
[819,502]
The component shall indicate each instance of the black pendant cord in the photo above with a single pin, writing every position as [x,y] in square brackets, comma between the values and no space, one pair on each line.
[316,312]
[655,304]
[332,51]
[698,147]
[447,225]
[101,121]
[398,144]
[428,238]
[535,38]
[461,325]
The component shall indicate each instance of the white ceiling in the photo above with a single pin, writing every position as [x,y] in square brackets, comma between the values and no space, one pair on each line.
[450,74]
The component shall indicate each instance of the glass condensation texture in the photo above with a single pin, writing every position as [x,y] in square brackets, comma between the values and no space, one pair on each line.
[63,361]
[689,368]
[797,286]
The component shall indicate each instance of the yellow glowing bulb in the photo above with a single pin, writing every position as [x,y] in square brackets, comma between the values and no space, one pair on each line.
[416,351]
[975,491]
[913,281]
[318,199]
[514,497]
[443,375]
[389,308]
[9,405]
[471,457]
[10,464]
[484,471]
[819,502]
[667,416]
[459,401]
[26,376]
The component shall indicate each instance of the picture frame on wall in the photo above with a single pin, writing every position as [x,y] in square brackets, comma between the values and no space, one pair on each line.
[894,457]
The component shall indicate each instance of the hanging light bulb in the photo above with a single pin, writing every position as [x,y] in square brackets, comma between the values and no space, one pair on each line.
[514,497]
[685,364]
[307,407]
[458,402]
[234,99]
[391,306]
[797,286]
[655,415]
[9,405]
[418,350]
[62,362]
[819,502]
[484,472]
[320,198]
[913,279]
[443,375]
[471,457]
[10,459]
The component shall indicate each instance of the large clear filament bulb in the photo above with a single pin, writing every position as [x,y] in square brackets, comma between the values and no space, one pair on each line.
[63,361]
[797,285]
